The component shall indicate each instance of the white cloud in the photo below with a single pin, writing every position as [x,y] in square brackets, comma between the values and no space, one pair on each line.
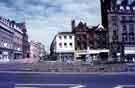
[45,18]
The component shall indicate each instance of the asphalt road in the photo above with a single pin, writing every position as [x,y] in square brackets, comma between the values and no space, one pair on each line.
[46,80]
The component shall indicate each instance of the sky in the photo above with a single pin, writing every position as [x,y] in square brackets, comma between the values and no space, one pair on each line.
[45,18]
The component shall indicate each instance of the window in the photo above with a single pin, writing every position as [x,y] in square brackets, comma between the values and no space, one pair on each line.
[123,18]
[60,44]
[114,35]
[131,38]
[70,44]
[131,18]
[114,18]
[124,38]
[124,29]
[65,37]
[70,37]
[131,28]
[59,37]
[65,44]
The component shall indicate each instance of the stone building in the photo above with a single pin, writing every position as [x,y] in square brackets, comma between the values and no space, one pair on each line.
[13,37]
[17,40]
[6,40]
[118,16]
[26,46]
[93,38]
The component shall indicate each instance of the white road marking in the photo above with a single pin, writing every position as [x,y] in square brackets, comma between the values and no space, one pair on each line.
[79,86]
[47,84]
[123,86]
[26,87]
[31,85]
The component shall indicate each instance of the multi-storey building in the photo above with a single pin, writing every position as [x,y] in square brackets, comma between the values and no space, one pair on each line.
[17,41]
[6,40]
[93,38]
[63,47]
[37,50]
[26,46]
[118,16]
[42,52]
[13,37]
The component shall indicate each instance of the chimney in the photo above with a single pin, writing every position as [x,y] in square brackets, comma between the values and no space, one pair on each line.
[73,24]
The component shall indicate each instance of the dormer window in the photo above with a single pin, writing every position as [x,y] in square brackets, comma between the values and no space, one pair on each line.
[121,8]
[127,8]
[133,8]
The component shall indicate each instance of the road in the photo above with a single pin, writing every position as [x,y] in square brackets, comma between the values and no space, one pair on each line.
[46,80]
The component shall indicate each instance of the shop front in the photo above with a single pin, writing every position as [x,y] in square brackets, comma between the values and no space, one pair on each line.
[18,55]
[6,55]
[92,55]
[129,54]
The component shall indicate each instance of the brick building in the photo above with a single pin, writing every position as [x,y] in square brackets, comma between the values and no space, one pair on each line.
[93,38]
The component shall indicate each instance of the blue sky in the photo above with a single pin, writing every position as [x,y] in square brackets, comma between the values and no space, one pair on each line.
[45,18]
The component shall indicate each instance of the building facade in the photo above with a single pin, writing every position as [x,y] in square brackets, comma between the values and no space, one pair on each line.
[6,40]
[120,22]
[18,41]
[26,46]
[37,50]
[63,47]
[90,40]
[11,40]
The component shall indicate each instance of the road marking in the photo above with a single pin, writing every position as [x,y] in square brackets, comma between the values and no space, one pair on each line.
[47,84]
[79,86]
[42,85]
[123,86]
[26,87]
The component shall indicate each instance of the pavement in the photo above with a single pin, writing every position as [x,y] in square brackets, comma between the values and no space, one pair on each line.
[44,67]
[18,79]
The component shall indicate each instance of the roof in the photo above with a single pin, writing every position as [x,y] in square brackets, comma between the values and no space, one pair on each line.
[65,33]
